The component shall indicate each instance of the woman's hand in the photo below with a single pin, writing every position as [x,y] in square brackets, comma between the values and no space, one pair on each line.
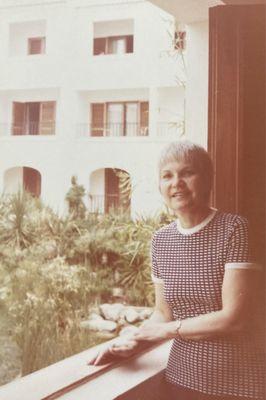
[155,331]
[121,348]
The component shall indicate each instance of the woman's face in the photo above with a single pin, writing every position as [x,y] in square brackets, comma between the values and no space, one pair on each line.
[182,187]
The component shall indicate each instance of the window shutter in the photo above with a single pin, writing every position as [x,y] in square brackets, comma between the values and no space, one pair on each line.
[237,139]
[33,118]
[18,125]
[99,45]
[144,118]
[97,119]
[130,43]
[36,45]
[47,118]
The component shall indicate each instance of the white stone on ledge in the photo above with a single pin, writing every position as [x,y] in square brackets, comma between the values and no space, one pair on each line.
[112,311]
[99,325]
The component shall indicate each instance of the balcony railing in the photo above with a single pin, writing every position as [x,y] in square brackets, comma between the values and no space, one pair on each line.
[113,130]
[163,130]
[104,203]
[31,128]
[73,379]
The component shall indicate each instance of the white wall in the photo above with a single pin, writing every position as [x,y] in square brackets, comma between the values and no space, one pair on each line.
[73,77]
[19,33]
[96,183]
[69,56]
[171,104]
[197,83]
[13,180]
[113,28]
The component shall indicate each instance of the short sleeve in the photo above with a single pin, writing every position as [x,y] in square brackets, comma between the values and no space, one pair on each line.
[155,272]
[239,253]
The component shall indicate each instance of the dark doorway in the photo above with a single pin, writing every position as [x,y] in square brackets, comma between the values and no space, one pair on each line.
[111,189]
[32,181]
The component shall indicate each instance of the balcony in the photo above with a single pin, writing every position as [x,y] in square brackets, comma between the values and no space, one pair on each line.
[29,129]
[73,379]
[112,130]
[172,130]
[34,128]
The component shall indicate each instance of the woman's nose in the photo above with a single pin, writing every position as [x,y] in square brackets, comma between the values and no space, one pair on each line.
[177,181]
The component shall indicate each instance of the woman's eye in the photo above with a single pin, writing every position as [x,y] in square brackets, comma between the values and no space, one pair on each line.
[166,176]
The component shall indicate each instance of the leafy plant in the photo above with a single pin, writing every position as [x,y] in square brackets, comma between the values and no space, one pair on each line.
[125,188]
[53,270]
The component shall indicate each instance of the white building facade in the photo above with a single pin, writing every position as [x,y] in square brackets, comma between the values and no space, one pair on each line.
[88,88]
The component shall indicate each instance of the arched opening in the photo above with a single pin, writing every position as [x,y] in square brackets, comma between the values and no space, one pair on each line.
[110,189]
[26,178]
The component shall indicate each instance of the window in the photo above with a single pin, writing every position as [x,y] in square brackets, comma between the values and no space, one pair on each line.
[36,45]
[113,37]
[27,38]
[113,45]
[34,118]
[120,119]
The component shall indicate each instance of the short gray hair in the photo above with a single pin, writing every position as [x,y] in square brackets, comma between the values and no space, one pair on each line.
[195,155]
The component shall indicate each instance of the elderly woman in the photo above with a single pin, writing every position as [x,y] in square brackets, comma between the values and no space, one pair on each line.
[205,281]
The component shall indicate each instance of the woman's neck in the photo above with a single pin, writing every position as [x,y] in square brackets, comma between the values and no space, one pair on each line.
[190,218]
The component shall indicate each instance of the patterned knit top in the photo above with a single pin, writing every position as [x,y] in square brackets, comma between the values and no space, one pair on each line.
[191,264]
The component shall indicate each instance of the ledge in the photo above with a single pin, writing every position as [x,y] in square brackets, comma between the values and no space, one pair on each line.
[72,378]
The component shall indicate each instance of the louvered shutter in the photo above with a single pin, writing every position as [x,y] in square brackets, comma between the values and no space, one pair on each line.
[99,45]
[18,125]
[47,118]
[144,118]
[97,119]
[130,44]
[36,45]
[237,139]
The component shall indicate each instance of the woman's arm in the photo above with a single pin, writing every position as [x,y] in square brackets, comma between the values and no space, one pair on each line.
[237,292]
[162,311]
[127,346]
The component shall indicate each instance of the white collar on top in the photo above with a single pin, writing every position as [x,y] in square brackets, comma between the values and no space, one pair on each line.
[196,228]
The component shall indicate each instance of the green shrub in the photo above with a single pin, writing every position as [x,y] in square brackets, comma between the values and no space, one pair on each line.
[53,270]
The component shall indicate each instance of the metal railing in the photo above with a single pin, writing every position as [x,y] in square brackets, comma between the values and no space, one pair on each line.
[112,130]
[31,128]
[104,203]
[163,129]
